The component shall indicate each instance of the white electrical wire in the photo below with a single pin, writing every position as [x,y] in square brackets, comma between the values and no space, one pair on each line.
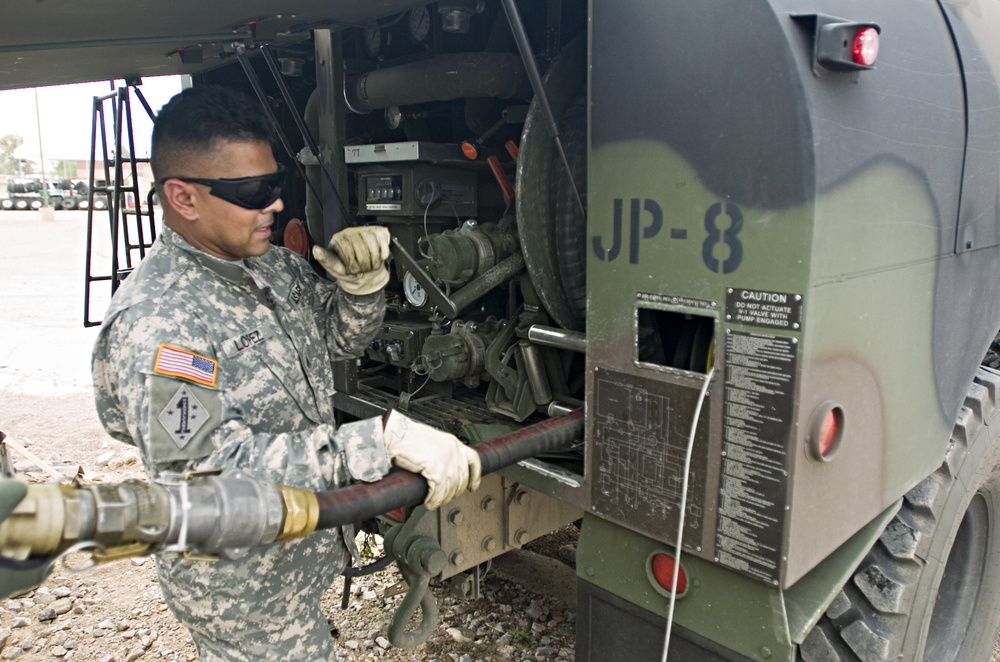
[680,525]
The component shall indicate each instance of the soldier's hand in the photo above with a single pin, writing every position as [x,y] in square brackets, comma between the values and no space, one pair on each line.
[449,466]
[356,258]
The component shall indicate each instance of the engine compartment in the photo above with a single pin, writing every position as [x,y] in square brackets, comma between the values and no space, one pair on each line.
[443,144]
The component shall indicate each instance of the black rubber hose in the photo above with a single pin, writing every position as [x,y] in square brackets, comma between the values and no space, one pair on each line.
[401,489]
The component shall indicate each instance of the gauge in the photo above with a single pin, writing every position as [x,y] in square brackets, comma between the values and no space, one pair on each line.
[372,41]
[418,23]
[393,117]
[413,291]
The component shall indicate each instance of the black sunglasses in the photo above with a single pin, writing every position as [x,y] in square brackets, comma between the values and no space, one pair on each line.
[257,192]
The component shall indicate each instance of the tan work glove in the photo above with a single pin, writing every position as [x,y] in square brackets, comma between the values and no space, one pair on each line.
[356,258]
[448,465]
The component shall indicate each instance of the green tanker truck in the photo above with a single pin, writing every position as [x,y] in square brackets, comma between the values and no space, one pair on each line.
[756,243]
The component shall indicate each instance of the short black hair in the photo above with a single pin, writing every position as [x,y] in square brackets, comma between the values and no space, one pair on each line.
[195,120]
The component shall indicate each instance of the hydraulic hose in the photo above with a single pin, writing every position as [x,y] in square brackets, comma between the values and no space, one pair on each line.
[401,489]
[224,514]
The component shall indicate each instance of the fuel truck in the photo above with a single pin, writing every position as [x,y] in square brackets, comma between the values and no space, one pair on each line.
[751,246]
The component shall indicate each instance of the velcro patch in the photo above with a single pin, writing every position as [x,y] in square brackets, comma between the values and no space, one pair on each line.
[183,416]
[175,362]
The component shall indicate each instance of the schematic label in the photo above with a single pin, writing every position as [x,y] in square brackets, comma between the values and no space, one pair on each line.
[761,308]
[759,393]
[641,427]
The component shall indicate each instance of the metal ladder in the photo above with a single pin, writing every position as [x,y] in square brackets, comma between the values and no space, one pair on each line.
[130,214]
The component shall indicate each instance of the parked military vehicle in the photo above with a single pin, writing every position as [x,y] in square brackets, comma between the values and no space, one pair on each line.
[757,243]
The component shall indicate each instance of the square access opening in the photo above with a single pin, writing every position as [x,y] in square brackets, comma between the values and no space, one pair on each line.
[674,339]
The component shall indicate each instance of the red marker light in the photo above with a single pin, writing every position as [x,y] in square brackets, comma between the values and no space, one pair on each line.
[864,49]
[661,568]
[828,433]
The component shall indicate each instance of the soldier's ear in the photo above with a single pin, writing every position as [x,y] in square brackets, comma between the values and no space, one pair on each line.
[181,196]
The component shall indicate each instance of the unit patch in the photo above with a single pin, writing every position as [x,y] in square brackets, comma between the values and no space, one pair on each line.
[175,362]
[183,416]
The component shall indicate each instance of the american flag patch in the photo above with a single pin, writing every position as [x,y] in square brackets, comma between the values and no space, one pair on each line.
[186,365]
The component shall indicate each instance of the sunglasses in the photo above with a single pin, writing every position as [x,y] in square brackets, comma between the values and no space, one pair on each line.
[257,192]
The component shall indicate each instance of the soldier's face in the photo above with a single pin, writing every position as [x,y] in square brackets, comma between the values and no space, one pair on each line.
[224,229]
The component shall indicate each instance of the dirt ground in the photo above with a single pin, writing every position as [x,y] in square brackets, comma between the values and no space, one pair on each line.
[114,613]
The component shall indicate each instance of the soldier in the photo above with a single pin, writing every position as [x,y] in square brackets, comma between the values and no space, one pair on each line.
[216,352]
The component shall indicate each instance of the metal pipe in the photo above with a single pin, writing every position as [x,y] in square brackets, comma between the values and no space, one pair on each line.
[304,131]
[536,372]
[551,336]
[441,78]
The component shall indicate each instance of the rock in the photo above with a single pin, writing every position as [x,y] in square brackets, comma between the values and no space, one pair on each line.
[43,599]
[352,644]
[104,458]
[465,658]
[382,642]
[4,636]
[369,595]
[62,592]
[139,560]
[14,605]
[47,614]
[58,651]
[61,606]
[461,635]
[115,464]
[79,609]
[546,651]
[69,644]
[135,654]
[20,622]
[535,610]
[107,658]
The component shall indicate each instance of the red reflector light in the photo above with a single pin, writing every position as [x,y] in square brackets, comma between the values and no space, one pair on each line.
[397,514]
[825,431]
[864,49]
[828,433]
[662,569]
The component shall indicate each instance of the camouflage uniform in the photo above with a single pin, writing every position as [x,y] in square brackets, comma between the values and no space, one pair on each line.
[271,326]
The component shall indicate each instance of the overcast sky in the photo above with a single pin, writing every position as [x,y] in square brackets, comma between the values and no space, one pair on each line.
[66,112]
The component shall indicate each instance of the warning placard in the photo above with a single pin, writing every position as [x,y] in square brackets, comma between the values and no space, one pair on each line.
[780,310]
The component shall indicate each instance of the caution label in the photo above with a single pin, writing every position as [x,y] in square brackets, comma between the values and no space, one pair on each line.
[780,310]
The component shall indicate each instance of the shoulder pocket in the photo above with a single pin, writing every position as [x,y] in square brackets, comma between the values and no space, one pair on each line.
[182,416]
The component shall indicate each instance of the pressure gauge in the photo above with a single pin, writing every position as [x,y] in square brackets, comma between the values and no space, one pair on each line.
[372,39]
[413,291]
[418,24]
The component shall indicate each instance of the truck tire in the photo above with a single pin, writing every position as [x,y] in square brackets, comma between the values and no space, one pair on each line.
[930,587]
[6,204]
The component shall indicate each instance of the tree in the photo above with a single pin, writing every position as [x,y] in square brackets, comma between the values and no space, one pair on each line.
[9,143]
[65,168]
